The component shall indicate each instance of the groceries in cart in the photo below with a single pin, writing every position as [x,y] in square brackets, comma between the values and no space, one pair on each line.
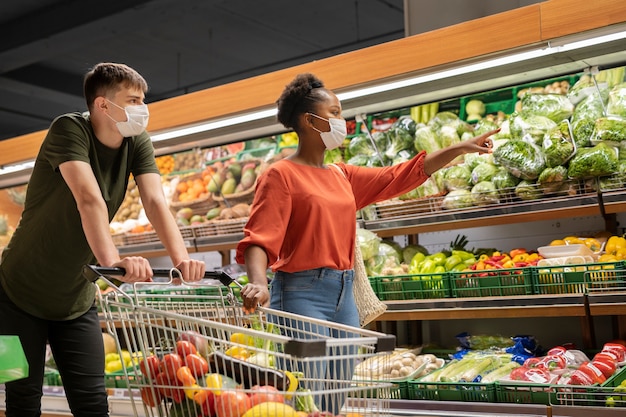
[201,355]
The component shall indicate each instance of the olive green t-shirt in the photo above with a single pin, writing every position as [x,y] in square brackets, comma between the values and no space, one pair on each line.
[41,267]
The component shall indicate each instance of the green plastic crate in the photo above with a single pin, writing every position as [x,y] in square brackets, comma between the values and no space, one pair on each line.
[413,287]
[492,283]
[525,393]
[573,279]
[498,100]
[452,391]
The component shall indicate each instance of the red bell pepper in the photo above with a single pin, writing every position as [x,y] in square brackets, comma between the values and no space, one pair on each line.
[551,362]
[536,375]
[618,350]
[587,374]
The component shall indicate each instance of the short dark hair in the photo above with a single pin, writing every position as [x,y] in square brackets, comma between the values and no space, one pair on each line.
[300,96]
[107,77]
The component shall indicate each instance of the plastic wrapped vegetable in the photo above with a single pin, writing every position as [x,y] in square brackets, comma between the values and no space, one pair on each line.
[551,179]
[616,105]
[448,136]
[526,190]
[611,128]
[457,177]
[446,118]
[523,159]
[503,179]
[368,242]
[457,199]
[533,125]
[359,160]
[405,123]
[593,162]
[557,145]
[473,159]
[484,193]
[426,140]
[484,126]
[555,107]
[483,172]
[398,139]
[585,115]
[361,145]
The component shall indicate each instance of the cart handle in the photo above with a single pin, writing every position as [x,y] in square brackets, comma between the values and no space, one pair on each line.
[92,273]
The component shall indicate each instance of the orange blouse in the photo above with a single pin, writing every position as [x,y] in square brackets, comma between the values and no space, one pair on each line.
[305,217]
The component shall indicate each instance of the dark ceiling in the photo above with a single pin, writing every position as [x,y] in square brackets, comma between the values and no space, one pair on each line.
[180,46]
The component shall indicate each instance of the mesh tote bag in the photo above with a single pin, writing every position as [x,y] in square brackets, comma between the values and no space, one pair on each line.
[367,302]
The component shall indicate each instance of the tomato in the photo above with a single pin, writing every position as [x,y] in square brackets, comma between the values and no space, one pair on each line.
[150,366]
[169,388]
[185,347]
[170,364]
[150,396]
[197,364]
[231,404]
[264,393]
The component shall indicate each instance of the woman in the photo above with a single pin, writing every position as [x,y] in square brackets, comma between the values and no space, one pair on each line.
[302,223]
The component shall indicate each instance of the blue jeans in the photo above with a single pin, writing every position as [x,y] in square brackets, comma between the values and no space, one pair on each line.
[78,352]
[324,294]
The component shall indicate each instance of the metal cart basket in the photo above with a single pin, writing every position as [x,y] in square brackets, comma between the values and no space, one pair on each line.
[194,352]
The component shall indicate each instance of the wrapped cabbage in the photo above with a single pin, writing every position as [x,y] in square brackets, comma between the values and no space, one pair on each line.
[503,179]
[404,156]
[390,249]
[483,172]
[484,193]
[446,118]
[557,145]
[526,190]
[427,188]
[448,136]
[457,199]
[405,123]
[593,162]
[555,107]
[551,179]
[426,140]
[616,105]
[368,242]
[457,177]
[475,158]
[523,159]
[484,126]
[610,128]
[533,125]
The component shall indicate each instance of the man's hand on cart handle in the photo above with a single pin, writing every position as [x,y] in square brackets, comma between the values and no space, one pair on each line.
[191,269]
[92,273]
[136,269]
[254,295]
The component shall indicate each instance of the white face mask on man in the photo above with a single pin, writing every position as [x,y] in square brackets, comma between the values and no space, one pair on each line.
[338,131]
[136,119]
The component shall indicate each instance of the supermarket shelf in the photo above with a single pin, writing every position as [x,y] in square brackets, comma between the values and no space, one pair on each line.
[561,305]
[543,209]
[605,304]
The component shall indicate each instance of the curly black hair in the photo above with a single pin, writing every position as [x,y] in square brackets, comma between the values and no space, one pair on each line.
[299,96]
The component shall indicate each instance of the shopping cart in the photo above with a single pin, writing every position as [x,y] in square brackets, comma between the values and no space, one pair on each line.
[269,363]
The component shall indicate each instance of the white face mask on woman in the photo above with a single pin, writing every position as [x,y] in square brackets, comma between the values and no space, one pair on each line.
[338,131]
[136,119]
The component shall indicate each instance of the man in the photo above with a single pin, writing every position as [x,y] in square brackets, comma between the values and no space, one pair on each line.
[77,185]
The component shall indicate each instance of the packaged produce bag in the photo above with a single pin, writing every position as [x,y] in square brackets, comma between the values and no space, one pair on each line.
[13,364]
